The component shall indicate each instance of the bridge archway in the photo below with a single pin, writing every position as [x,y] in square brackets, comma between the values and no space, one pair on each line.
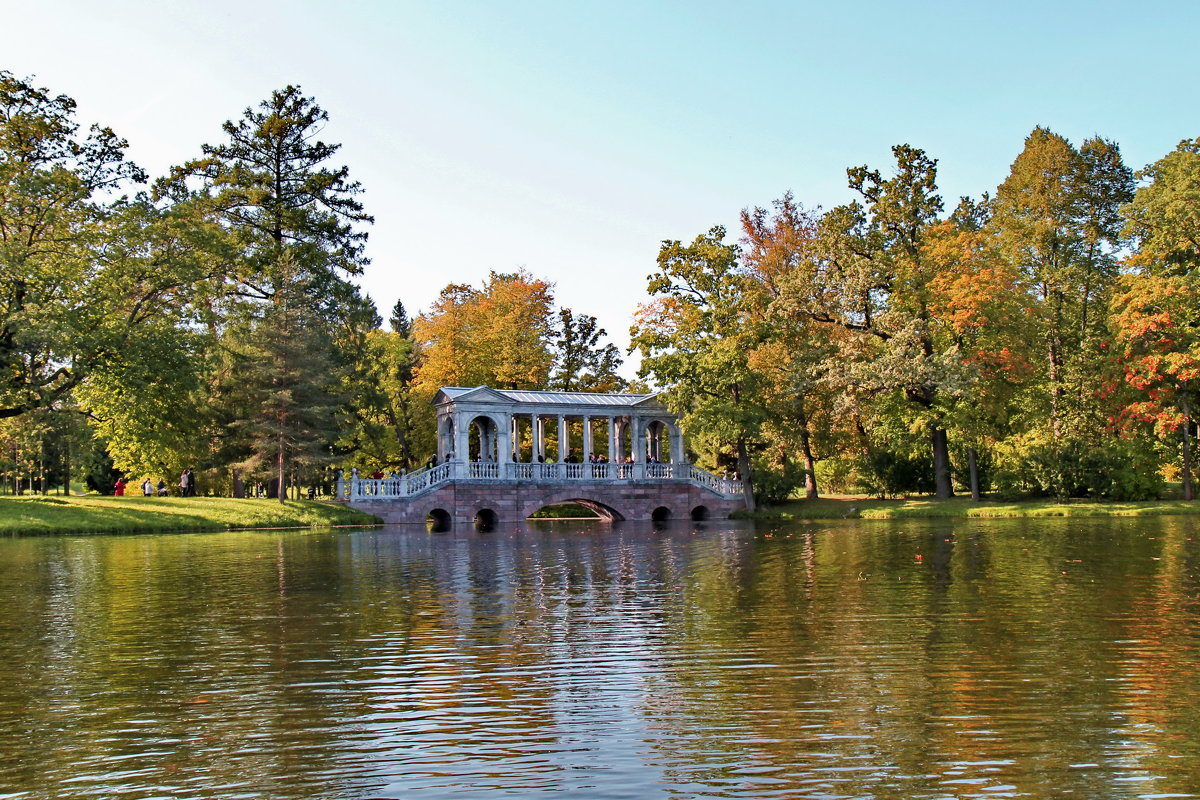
[660,514]
[438,520]
[485,519]
[483,439]
[600,509]
[565,511]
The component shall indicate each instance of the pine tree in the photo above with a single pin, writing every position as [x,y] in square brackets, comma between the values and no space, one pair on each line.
[291,234]
[293,389]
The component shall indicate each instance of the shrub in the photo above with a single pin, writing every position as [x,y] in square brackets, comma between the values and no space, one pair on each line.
[1110,468]
[774,485]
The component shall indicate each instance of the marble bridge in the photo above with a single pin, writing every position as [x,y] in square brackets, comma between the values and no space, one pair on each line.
[505,454]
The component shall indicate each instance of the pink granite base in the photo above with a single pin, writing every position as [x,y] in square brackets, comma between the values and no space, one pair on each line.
[463,502]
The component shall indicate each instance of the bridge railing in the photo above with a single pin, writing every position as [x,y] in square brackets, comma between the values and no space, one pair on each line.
[420,481]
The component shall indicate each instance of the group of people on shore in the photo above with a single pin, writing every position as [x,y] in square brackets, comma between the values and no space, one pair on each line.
[187,486]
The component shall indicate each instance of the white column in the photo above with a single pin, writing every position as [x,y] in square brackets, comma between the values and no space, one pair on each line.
[613,454]
[563,437]
[637,441]
[536,420]
[587,438]
[505,437]
[462,431]
[677,451]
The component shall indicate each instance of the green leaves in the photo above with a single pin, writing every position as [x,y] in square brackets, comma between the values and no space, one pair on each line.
[67,307]
[1164,217]
[695,339]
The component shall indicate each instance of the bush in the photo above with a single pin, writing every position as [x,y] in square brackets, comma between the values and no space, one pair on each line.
[773,485]
[1109,468]
[889,474]
[839,475]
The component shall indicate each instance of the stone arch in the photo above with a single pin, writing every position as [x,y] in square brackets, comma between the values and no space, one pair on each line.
[486,519]
[600,509]
[483,437]
[700,513]
[662,440]
[439,520]
[660,514]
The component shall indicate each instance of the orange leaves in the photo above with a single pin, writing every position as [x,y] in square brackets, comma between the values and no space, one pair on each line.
[497,335]
[971,287]
[1156,323]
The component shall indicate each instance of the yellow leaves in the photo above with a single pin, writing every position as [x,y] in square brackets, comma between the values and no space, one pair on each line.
[496,335]
[661,316]
[972,287]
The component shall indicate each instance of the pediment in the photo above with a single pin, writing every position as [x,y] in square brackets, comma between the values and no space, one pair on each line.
[651,402]
[462,394]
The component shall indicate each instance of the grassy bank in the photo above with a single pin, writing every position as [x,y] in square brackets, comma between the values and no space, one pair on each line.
[925,507]
[93,514]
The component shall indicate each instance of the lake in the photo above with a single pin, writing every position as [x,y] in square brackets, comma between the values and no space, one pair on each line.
[858,659]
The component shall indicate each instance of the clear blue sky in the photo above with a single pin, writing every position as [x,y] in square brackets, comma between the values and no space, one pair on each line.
[570,137]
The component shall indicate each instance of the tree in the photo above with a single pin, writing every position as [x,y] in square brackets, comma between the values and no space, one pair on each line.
[792,359]
[1156,312]
[289,233]
[80,280]
[1157,322]
[294,390]
[399,320]
[581,363]
[977,297]
[1056,220]
[389,429]
[498,335]
[1164,216]
[695,341]
[269,188]
[870,278]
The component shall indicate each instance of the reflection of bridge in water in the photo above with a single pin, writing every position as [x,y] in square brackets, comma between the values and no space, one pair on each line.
[503,455]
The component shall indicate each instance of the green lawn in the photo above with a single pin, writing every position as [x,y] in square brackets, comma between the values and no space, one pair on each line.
[95,514]
[926,507]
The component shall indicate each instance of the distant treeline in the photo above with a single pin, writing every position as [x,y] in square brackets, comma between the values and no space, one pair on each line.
[208,318]
[1038,340]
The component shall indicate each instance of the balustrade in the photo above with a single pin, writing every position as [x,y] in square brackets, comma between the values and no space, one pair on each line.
[418,482]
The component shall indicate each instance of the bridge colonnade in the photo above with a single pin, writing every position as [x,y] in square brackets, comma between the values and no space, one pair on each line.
[502,454]
[635,428]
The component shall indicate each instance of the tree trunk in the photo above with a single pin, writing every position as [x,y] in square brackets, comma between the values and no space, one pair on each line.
[239,488]
[744,473]
[1054,351]
[1187,443]
[941,464]
[810,463]
[974,467]
[279,470]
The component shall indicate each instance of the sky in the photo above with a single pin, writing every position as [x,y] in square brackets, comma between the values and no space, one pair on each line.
[570,138]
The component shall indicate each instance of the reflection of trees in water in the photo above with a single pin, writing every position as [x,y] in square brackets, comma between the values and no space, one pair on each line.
[990,657]
[844,658]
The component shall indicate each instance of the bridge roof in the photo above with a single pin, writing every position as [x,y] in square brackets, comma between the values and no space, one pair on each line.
[543,398]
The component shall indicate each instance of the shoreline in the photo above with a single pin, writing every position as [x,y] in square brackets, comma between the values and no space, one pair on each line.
[843,507]
[105,515]
[101,515]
